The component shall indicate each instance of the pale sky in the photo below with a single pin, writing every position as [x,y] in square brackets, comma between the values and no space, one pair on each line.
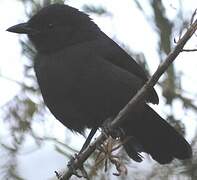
[138,34]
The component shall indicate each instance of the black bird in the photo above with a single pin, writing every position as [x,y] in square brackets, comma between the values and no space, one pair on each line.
[86,78]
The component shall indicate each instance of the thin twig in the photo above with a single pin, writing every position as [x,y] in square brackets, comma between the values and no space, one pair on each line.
[21,84]
[188,50]
[193,16]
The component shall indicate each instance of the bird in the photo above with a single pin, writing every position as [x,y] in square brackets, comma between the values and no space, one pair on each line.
[85,78]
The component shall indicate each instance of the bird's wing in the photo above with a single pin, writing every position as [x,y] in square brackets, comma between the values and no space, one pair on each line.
[114,54]
[105,87]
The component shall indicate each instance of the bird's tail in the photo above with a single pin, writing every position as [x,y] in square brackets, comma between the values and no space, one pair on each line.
[150,133]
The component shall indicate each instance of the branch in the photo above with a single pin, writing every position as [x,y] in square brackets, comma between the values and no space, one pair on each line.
[21,84]
[139,97]
[189,50]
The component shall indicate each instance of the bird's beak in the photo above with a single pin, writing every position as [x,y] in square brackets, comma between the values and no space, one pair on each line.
[22,28]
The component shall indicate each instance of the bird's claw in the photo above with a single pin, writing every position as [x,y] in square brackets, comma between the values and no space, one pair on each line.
[108,130]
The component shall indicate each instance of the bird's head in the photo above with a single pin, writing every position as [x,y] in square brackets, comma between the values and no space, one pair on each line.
[57,26]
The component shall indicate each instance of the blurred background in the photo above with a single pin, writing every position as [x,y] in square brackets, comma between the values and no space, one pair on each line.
[33,144]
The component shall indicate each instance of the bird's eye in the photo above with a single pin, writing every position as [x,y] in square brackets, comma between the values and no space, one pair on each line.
[50,25]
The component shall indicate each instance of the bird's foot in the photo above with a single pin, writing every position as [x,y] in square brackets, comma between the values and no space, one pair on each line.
[113,132]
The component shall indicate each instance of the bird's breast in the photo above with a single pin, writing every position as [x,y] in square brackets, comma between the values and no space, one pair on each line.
[58,77]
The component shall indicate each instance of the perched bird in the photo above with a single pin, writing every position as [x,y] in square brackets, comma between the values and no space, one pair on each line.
[86,78]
